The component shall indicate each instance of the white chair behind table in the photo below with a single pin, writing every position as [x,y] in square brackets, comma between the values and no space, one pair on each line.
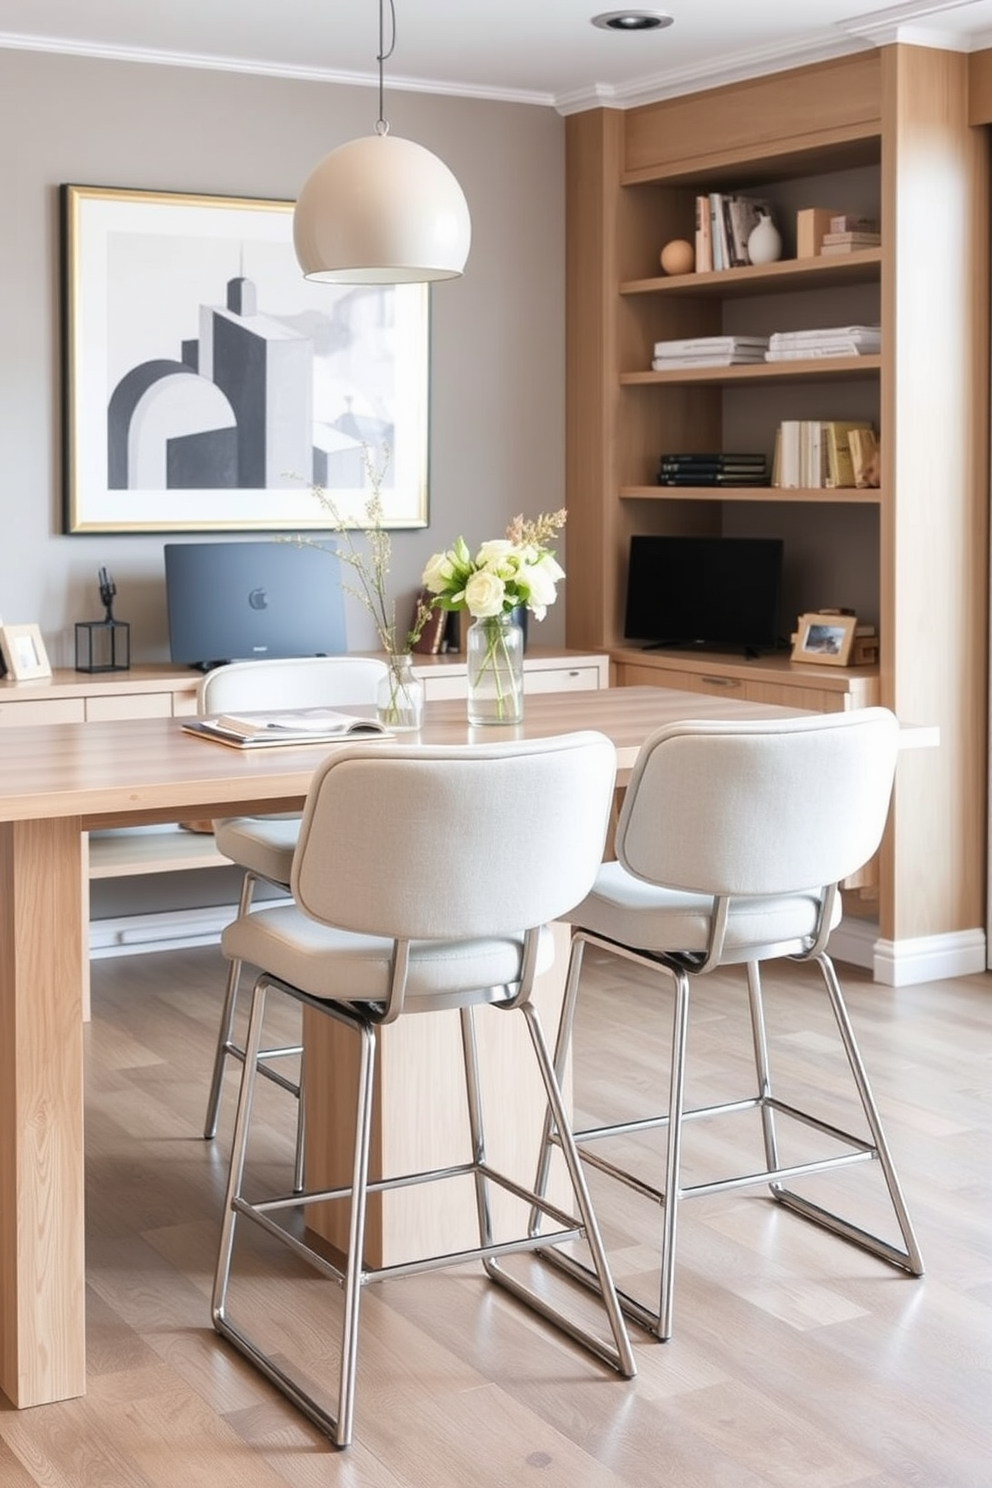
[731,843]
[424,919]
[263,846]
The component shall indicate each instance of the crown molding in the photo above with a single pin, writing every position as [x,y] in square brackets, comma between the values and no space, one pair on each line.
[913,23]
[64,46]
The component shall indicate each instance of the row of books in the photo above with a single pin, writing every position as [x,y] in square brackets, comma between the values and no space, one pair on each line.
[712,468]
[708,351]
[817,454]
[828,341]
[724,222]
[781,346]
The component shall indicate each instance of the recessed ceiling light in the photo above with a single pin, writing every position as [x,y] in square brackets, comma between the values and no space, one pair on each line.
[632,20]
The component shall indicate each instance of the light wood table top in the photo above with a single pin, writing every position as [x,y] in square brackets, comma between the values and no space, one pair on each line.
[149,769]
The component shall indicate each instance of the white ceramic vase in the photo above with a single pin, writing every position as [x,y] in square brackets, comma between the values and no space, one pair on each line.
[764,245]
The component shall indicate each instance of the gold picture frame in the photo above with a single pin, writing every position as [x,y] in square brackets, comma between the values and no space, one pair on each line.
[824,638]
[24,653]
[207,386]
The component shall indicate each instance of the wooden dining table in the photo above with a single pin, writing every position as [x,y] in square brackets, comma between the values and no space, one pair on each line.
[57,782]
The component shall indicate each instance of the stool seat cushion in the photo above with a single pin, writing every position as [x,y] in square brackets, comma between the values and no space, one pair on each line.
[656,919]
[340,964]
[263,845]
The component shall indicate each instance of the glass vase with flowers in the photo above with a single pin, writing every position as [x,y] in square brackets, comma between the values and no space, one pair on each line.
[518,570]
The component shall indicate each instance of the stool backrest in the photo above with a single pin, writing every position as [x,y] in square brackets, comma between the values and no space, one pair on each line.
[738,808]
[293,682]
[452,842]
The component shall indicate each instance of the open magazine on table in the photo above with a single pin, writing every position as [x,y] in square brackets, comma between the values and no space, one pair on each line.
[295,726]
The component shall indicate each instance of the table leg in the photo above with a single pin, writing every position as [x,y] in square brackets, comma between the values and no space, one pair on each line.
[42,1305]
[421,1118]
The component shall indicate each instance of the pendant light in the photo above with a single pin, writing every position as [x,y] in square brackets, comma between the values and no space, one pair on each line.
[381,210]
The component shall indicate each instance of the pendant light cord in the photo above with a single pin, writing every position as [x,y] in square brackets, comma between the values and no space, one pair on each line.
[382,127]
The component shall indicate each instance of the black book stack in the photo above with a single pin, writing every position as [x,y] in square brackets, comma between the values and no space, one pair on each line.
[713,469]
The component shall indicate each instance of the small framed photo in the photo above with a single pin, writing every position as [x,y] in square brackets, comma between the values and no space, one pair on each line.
[24,653]
[825,639]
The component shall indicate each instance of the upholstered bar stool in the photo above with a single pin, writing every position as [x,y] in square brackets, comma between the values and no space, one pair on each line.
[263,845]
[435,909]
[731,843]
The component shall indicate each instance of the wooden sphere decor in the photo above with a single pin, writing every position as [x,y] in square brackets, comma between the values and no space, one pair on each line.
[678,257]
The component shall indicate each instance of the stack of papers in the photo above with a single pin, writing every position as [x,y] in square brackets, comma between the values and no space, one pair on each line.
[300,726]
[856,340]
[708,351]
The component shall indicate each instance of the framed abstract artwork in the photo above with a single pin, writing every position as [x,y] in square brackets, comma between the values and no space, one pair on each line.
[207,386]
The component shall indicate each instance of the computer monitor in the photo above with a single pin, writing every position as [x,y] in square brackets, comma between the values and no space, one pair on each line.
[242,601]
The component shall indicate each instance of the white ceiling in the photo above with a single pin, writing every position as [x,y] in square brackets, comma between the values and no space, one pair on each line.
[537,51]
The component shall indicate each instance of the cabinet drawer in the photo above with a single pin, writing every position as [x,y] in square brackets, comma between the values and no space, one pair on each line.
[129,705]
[440,689]
[184,704]
[650,676]
[562,679]
[41,710]
[816,699]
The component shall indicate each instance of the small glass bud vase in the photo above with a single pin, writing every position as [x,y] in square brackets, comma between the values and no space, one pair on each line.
[400,697]
[495,654]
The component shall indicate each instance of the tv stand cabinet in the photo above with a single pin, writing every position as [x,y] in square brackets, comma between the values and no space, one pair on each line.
[761,679]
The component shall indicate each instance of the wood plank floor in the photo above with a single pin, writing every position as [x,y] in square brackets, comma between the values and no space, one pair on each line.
[796,1358]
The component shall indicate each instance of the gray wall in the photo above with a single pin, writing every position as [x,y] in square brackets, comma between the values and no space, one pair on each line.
[497,382]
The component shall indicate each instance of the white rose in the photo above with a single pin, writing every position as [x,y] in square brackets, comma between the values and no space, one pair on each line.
[540,581]
[498,556]
[484,594]
[438,573]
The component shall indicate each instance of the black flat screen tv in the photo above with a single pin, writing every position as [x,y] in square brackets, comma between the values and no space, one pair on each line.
[243,601]
[710,593]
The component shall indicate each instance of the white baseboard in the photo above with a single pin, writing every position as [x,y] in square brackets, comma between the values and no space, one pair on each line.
[929,958]
[854,942]
[904,963]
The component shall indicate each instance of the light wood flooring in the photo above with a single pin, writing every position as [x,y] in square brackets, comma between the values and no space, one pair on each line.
[796,1358]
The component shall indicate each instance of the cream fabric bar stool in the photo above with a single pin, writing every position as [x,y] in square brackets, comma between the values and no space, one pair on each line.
[263,845]
[437,906]
[731,843]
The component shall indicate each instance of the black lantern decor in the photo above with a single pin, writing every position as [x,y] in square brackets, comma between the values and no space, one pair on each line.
[103,645]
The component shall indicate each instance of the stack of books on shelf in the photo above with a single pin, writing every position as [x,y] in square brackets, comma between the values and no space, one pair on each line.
[723,225]
[817,454]
[708,351]
[713,468]
[849,234]
[828,341]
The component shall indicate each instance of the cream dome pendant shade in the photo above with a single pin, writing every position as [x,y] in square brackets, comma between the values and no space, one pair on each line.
[381,210]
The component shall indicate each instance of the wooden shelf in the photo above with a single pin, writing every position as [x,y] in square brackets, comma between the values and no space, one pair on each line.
[817,369]
[794,273]
[131,852]
[853,495]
